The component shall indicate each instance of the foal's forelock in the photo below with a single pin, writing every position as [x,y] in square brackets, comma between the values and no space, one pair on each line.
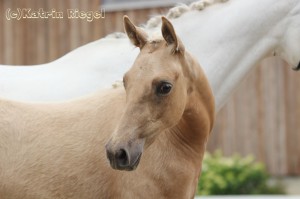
[154,44]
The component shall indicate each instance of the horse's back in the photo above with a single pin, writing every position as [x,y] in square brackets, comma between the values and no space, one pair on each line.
[48,150]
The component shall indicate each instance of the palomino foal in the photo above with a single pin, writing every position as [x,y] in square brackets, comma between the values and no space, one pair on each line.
[57,150]
[169,113]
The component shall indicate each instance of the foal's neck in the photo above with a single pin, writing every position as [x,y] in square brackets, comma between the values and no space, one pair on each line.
[196,123]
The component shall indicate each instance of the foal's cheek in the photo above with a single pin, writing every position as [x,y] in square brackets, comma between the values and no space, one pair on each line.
[175,110]
[180,101]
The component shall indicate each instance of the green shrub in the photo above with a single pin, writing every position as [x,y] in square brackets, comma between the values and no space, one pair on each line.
[234,175]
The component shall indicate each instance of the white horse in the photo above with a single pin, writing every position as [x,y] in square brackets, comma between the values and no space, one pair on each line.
[228,39]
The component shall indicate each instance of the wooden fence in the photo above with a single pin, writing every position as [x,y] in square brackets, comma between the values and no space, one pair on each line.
[261,118]
[37,40]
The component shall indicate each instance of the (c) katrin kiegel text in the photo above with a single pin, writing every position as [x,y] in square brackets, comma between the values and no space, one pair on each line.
[28,13]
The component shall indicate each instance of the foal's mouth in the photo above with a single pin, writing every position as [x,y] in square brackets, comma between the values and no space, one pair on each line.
[123,161]
[134,165]
[125,155]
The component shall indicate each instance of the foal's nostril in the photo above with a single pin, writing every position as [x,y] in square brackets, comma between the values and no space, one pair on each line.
[122,159]
[110,156]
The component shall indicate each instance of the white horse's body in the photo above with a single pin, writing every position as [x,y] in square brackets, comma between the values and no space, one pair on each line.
[94,66]
[228,39]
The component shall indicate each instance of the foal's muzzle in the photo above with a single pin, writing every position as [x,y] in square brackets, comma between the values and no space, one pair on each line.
[126,157]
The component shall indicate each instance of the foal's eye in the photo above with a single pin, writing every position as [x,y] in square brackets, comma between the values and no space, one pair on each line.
[163,88]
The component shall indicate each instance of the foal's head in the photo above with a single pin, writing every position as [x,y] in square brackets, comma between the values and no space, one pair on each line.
[156,94]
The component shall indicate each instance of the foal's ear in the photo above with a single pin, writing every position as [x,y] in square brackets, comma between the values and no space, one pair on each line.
[170,36]
[137,36]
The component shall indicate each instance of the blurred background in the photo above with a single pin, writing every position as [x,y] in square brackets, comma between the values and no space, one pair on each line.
[261,119]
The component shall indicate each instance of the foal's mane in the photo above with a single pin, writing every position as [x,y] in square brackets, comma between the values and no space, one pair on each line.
[173,13]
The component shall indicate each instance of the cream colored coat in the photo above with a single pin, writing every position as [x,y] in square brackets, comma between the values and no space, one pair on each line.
[57,150]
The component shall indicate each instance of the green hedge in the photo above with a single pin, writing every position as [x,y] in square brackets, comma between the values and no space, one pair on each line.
[234,175]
